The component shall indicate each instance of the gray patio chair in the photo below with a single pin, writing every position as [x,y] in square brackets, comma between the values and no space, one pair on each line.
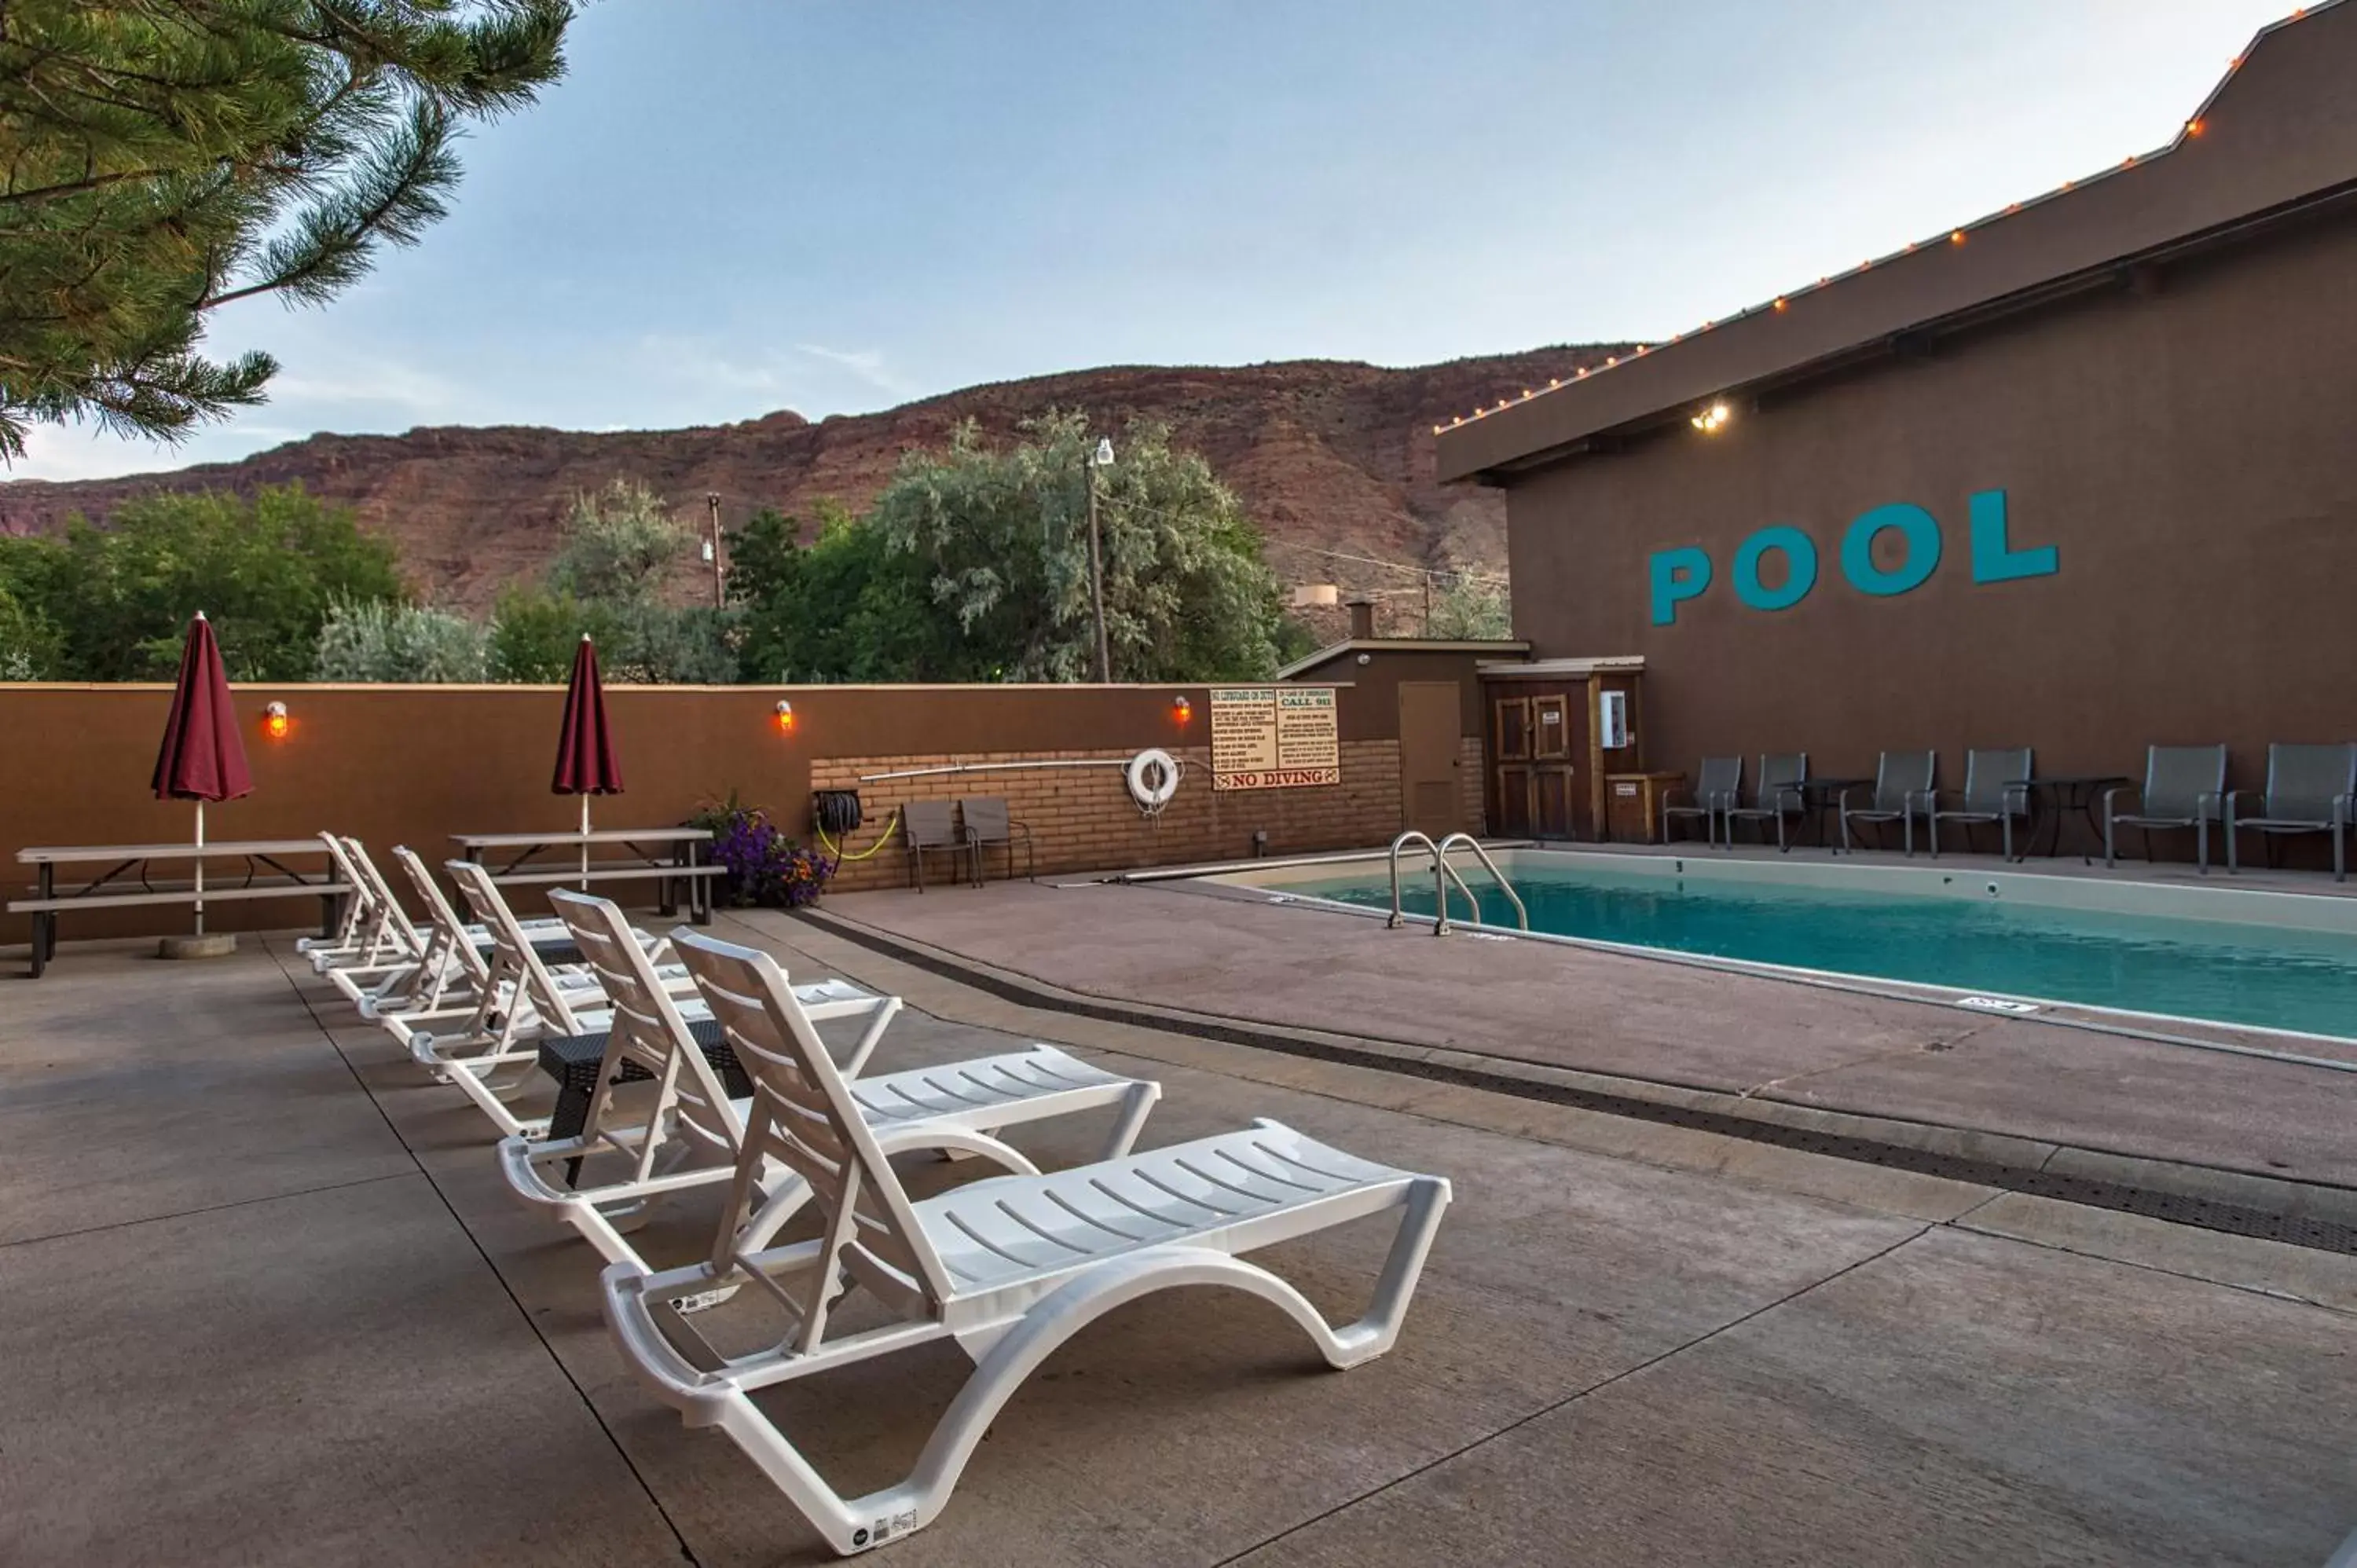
[1997,789]
[2184,787]
[1775,795]
[988,826]
[2309,789]
[931,825]
[1715,792]
[1902,791]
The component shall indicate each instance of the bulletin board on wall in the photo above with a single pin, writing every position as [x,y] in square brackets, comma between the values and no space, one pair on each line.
[1275,737]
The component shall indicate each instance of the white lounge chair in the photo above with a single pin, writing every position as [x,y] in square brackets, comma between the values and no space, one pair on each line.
[389,961]
[683,1129]
[492,1051]
[1010,1267]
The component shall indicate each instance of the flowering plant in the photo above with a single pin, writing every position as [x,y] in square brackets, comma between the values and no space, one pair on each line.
[758,864]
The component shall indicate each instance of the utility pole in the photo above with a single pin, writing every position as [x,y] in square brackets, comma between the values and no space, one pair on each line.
[712,503]
[1101,457]
[1428,604]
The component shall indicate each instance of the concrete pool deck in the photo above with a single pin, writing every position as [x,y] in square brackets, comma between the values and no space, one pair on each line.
[1754,1040]
[267,1301]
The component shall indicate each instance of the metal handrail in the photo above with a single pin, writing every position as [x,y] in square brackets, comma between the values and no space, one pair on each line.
[1522,913]
[1444,875]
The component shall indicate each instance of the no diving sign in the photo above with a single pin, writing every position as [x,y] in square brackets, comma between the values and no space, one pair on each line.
[1273,738]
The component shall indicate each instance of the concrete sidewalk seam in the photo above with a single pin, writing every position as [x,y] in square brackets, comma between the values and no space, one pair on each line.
[211,1207]
[1577,1394]
[686,1551]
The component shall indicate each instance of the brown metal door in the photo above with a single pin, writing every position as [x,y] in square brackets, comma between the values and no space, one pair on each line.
[1509,751]
[1430,728]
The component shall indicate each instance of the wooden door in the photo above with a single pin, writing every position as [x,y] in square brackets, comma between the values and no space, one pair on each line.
[1555,803]
[1510,753]
[1431,726]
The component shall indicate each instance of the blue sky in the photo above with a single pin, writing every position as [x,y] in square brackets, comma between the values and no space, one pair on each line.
[737,206]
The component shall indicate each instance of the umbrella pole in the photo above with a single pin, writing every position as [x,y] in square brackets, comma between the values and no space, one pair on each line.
[201,868]
[585,844]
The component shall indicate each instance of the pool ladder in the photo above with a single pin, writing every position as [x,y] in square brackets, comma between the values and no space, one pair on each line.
[1444,875]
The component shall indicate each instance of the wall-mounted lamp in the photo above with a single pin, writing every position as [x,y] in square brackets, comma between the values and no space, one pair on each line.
[275,722]
[1712,420]
[1181,709]
[785,716]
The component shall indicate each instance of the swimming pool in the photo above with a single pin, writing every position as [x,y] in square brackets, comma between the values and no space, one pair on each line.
[2232,956]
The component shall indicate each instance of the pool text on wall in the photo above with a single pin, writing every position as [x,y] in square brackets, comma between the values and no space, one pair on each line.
[1686,572]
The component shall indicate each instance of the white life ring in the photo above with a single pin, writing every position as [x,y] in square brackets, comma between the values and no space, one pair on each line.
[1153,778]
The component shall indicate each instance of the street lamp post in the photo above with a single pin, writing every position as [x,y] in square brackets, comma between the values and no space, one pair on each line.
[1100,458]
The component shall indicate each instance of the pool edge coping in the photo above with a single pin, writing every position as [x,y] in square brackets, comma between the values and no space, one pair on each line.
[2004,1161]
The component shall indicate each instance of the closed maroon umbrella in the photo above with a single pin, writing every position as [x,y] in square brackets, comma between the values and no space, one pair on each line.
[585,743]
[203,757]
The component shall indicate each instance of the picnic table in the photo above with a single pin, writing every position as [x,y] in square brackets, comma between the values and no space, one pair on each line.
[128,880]
[670,858]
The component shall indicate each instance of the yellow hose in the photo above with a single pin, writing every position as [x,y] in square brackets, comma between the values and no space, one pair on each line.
[840,856]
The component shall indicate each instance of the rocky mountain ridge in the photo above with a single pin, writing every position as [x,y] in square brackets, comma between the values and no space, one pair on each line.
[1332,459]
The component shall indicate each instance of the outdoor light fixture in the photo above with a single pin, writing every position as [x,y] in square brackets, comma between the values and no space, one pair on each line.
[1181,709]
[1712,420]
[785,711]
[274,722]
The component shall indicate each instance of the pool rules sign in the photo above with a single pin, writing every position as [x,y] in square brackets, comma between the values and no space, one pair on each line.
[1273,738]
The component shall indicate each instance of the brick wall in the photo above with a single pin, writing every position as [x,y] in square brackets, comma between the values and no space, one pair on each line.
[1473,784]
[1082,819]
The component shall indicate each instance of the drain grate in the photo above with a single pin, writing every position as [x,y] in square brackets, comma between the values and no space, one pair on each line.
[2207,1214]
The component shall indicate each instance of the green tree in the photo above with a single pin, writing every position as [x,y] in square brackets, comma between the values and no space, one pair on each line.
[846,607]
[618,543]
[1471,609]
[377,639]
[1003,535]
[264,570]
[534,632]
[606,583]
[28,642]
[165,158]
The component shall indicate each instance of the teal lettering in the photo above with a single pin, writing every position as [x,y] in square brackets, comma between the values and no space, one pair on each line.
[1799,569]
[1922,532]
[1994,558]
[1677,575]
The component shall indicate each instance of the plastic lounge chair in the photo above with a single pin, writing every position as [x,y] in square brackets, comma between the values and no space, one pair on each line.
[1008,1268]
[455,974]
[1717,791]
[989,826]
[688,1132]
[2309,790]
[2184,787]
[349,944]
[931,825]
[495,1049]
[1902,791]
[388,959]
[373,933]
[1776,795]
[1997,789]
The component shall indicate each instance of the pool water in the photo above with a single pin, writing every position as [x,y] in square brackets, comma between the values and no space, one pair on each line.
[2232,973]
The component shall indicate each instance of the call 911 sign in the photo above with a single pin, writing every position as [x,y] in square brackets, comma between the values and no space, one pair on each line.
[1273,738]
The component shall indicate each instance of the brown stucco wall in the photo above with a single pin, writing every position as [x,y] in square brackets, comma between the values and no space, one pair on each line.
[1377,682]
[2187,451]
[412,763]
